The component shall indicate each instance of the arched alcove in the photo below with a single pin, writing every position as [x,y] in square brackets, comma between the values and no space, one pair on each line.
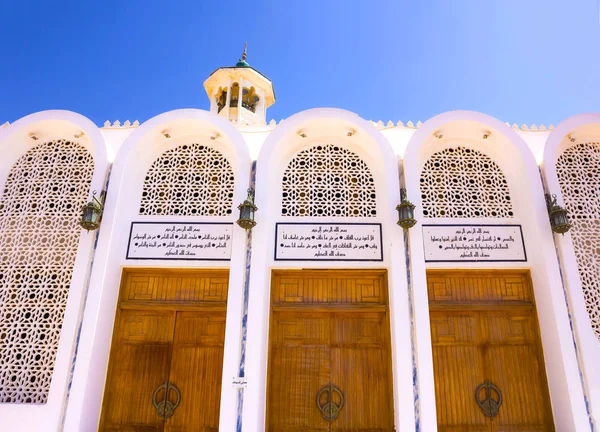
[305,163]
[570,169]
[193,166]
[52,162]
[489,137]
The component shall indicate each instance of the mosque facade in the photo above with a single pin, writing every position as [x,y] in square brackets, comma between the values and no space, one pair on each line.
[210,271]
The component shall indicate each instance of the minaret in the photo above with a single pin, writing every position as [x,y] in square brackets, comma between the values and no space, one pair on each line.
[240,93]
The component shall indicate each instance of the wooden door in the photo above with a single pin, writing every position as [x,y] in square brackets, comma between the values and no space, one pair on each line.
[329,328]
[169,330]
[142,351]
[298,367]
[360,359]
[196,371]
[484,328]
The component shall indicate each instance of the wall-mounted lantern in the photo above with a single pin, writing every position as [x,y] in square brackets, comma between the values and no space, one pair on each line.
[406,211]
[247,210]
[91,213]
[559,220]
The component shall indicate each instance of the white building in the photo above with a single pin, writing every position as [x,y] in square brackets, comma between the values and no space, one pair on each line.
[326,315]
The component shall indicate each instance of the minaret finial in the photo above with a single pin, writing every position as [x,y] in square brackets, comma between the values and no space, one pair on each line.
[244,53]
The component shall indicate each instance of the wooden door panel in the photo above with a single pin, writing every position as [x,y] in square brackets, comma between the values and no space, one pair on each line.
[360,368]
[299,365]
[515,366]
[175,286]
[461,287]
[291,287]
[139,364]
[329,327]
[454,328]
[458,370]
[196,370]
[484,327]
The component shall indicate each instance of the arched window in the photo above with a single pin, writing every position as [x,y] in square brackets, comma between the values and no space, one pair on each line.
[328,180]
[249,98]
[463,183]
[189,180]
[578,170]
[235,95]
[221,98]
[39,232]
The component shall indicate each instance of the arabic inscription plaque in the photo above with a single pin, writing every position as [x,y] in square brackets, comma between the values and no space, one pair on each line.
[328,242]
[180,241]
[473,243]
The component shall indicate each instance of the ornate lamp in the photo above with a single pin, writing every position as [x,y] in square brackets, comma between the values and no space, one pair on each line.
[559,220]
[247,210]
[91,213]
[406,211]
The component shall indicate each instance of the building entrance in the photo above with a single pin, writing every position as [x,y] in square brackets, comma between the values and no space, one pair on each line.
[329,352]
[487,354]
[167,352]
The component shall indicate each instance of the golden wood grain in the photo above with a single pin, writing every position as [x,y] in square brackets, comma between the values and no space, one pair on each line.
[157,338]
[484,327]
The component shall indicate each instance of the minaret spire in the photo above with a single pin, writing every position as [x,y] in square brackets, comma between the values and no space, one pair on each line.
[244,53]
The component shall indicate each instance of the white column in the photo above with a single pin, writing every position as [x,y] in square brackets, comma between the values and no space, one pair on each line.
[240,96]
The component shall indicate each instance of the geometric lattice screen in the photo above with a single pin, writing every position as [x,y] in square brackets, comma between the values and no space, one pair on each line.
[189,180]
[464,183]
[40,207]
[327,180]
[578,170]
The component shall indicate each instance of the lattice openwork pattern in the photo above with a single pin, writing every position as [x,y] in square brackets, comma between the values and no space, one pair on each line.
[327,180]
[463,183]
[189,180]
[40,208]
[578,170]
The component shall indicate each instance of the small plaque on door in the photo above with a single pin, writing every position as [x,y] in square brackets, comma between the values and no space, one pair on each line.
[239,382]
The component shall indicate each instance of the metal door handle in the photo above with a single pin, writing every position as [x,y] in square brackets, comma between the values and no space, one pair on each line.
[165,408]
[330,409]
[489,403]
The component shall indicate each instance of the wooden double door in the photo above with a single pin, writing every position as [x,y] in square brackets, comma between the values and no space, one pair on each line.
[167,352]
[329,358]
[487,356]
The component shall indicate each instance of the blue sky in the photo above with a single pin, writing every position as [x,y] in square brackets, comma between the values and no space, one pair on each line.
[523,61]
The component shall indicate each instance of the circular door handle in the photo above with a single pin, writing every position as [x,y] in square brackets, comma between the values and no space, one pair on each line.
[489,398]
[165,408]
[330,409]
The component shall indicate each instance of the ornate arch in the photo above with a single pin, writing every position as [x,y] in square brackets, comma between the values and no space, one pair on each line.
[189,180]
[460,182]
[39,234]
[328,181]
[578,171]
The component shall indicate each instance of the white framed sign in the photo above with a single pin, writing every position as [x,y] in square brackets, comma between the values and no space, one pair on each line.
[328,242]
[180,241]
[239,382]
[473,243]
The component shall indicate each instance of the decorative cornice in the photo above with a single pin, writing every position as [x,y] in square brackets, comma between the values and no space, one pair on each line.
[379,125]
[410,125]
[117,124]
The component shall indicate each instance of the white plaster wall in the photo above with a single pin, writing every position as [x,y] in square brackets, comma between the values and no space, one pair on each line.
[584,128]
[115,138]
[14,142]
[535,141]
[131,164]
